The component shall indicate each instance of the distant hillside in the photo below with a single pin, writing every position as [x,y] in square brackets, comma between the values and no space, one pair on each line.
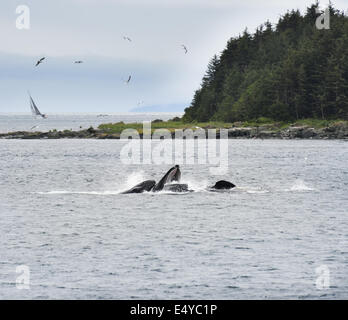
[286,72]
[161,108]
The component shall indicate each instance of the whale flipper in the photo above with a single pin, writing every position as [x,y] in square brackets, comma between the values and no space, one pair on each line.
[173,174]
[223,185]
[141,187]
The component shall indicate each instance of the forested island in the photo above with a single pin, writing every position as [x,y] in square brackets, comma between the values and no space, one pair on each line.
[283,72]
[285,81]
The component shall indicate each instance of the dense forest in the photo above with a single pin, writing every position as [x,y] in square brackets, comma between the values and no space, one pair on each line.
[289,71]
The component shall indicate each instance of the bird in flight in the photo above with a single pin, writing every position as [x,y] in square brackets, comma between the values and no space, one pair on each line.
[79,61]
[40,61]
[184,47]
[129,79]
[127,38]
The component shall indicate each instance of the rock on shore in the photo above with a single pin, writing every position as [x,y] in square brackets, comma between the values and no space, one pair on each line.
[335,131]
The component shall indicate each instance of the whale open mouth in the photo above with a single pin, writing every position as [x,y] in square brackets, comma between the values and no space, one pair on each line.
[173,175]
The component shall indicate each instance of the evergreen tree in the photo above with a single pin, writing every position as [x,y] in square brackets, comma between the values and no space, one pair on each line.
[290,71]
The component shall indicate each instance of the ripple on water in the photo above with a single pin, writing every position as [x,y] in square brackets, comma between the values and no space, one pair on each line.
[63,217]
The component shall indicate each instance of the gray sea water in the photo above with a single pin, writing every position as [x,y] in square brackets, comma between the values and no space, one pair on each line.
[62,216]
[10,122]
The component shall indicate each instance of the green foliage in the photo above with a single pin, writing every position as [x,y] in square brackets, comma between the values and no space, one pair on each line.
[117,128]
[288,72]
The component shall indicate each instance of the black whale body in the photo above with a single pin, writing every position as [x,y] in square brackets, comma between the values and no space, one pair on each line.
[174,174]
[141,187]
[223,185]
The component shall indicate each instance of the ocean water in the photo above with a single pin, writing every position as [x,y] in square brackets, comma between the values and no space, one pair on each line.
[62,216]
[26,122]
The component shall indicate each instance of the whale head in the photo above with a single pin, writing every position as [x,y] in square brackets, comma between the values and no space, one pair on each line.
[174,174]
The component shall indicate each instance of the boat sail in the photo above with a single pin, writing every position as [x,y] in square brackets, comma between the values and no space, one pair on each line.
[34,109]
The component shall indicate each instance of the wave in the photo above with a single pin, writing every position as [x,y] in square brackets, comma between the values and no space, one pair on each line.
[135,178]
[80,192]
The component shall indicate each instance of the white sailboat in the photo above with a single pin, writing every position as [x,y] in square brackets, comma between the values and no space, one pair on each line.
[34,109]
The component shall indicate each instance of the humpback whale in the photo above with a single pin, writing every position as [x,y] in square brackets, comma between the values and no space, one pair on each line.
[223,185]
[141,187]
[173,175]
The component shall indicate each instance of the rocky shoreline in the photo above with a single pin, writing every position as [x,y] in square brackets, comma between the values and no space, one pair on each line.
[336,131]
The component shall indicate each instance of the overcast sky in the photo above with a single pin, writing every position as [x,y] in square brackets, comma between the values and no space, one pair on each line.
[93,30]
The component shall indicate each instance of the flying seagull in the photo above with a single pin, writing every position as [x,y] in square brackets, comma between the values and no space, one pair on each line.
[40,61]
[79,61]
[34,127]
[127,38]
[184,47]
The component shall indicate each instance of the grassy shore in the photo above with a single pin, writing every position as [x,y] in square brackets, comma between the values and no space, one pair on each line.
[117,128]
[261,128]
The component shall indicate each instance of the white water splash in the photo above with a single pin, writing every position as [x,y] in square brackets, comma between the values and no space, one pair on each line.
[133,179]
[257,191]
[195,185]
[251,190]
[300,185]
